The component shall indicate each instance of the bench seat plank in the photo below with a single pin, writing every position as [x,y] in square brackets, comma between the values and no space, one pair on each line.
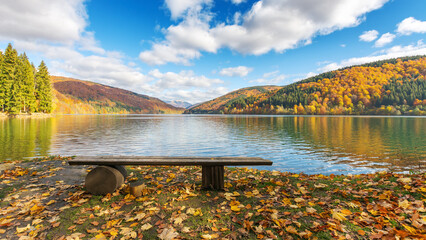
[165,160]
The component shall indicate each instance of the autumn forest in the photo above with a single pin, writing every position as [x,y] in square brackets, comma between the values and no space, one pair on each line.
[389,87]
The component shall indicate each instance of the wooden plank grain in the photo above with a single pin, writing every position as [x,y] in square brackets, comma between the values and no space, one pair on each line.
[170,161]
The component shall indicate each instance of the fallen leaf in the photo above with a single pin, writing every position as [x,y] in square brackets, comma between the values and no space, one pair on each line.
[338,215]
[291,229]
[168,234]
[235,208]
[310,210]
[23,229]
[146,226]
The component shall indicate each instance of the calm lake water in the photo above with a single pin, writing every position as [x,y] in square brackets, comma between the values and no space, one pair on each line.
[294,143]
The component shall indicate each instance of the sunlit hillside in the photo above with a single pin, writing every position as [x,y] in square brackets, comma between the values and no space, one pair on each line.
[235,98]
[390,87]
[74,96]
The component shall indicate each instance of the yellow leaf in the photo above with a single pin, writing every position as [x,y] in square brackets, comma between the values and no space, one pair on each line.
[23,229]
[235,208]
[410,229]
[100,236]
[404,180]
[299,200]
[146,226]
[404,204]
[210,236]
[50,202]
[286,201]
[2,231]
[352,205]
[338,215]
[113,232]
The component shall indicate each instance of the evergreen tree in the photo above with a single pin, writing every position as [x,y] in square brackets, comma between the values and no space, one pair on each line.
[7,77]
[27,74]
[43,89]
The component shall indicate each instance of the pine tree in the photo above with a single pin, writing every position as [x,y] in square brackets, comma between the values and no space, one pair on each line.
[2,91]
[28,97]
[7,77]
[43,89]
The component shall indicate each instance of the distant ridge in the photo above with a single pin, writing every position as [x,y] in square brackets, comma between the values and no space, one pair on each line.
[74,96]
[180,104]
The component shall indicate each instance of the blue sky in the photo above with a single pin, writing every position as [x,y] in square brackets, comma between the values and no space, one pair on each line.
[196,50]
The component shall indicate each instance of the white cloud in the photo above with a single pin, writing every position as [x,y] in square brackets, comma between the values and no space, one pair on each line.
[270,25]
[56,32]
[270,78]
[180,7]
[411,25]
[195,96]
[394,52]
[236,2]
[384,39]
[240,71]
[369,36]
[59,21]
[183,79]
[163,53]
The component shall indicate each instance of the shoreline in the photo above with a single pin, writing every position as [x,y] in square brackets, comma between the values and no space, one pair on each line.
[27,115]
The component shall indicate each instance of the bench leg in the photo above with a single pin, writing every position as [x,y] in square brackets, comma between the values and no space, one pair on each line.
[213,177]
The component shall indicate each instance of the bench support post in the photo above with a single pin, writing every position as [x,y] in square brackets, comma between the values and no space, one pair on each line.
[213,177]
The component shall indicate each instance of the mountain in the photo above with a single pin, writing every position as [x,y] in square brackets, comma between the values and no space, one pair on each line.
[221,104]
[180,104]
[75,96]
[388,87]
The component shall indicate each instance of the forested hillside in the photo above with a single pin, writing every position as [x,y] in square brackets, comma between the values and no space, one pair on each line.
[23,88]
[83,97]
[240,98]
[389,87]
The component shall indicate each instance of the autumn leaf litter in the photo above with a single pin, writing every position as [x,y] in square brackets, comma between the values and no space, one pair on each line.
[45,199]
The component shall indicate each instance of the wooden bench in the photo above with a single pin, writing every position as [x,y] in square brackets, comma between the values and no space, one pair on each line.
[110,172]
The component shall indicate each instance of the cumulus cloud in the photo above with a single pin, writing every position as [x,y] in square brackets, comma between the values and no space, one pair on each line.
[369,36]
[59,21]
[180,7]
[240,71]
[384,39]
[411,25]
[56,32]
[270,25]
[183,79]
[270,78]
[394,52]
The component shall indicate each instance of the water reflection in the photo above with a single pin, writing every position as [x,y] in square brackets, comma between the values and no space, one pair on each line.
[21,138]
[309,144]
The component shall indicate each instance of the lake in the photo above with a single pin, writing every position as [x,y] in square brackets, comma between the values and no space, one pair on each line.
[309,144]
